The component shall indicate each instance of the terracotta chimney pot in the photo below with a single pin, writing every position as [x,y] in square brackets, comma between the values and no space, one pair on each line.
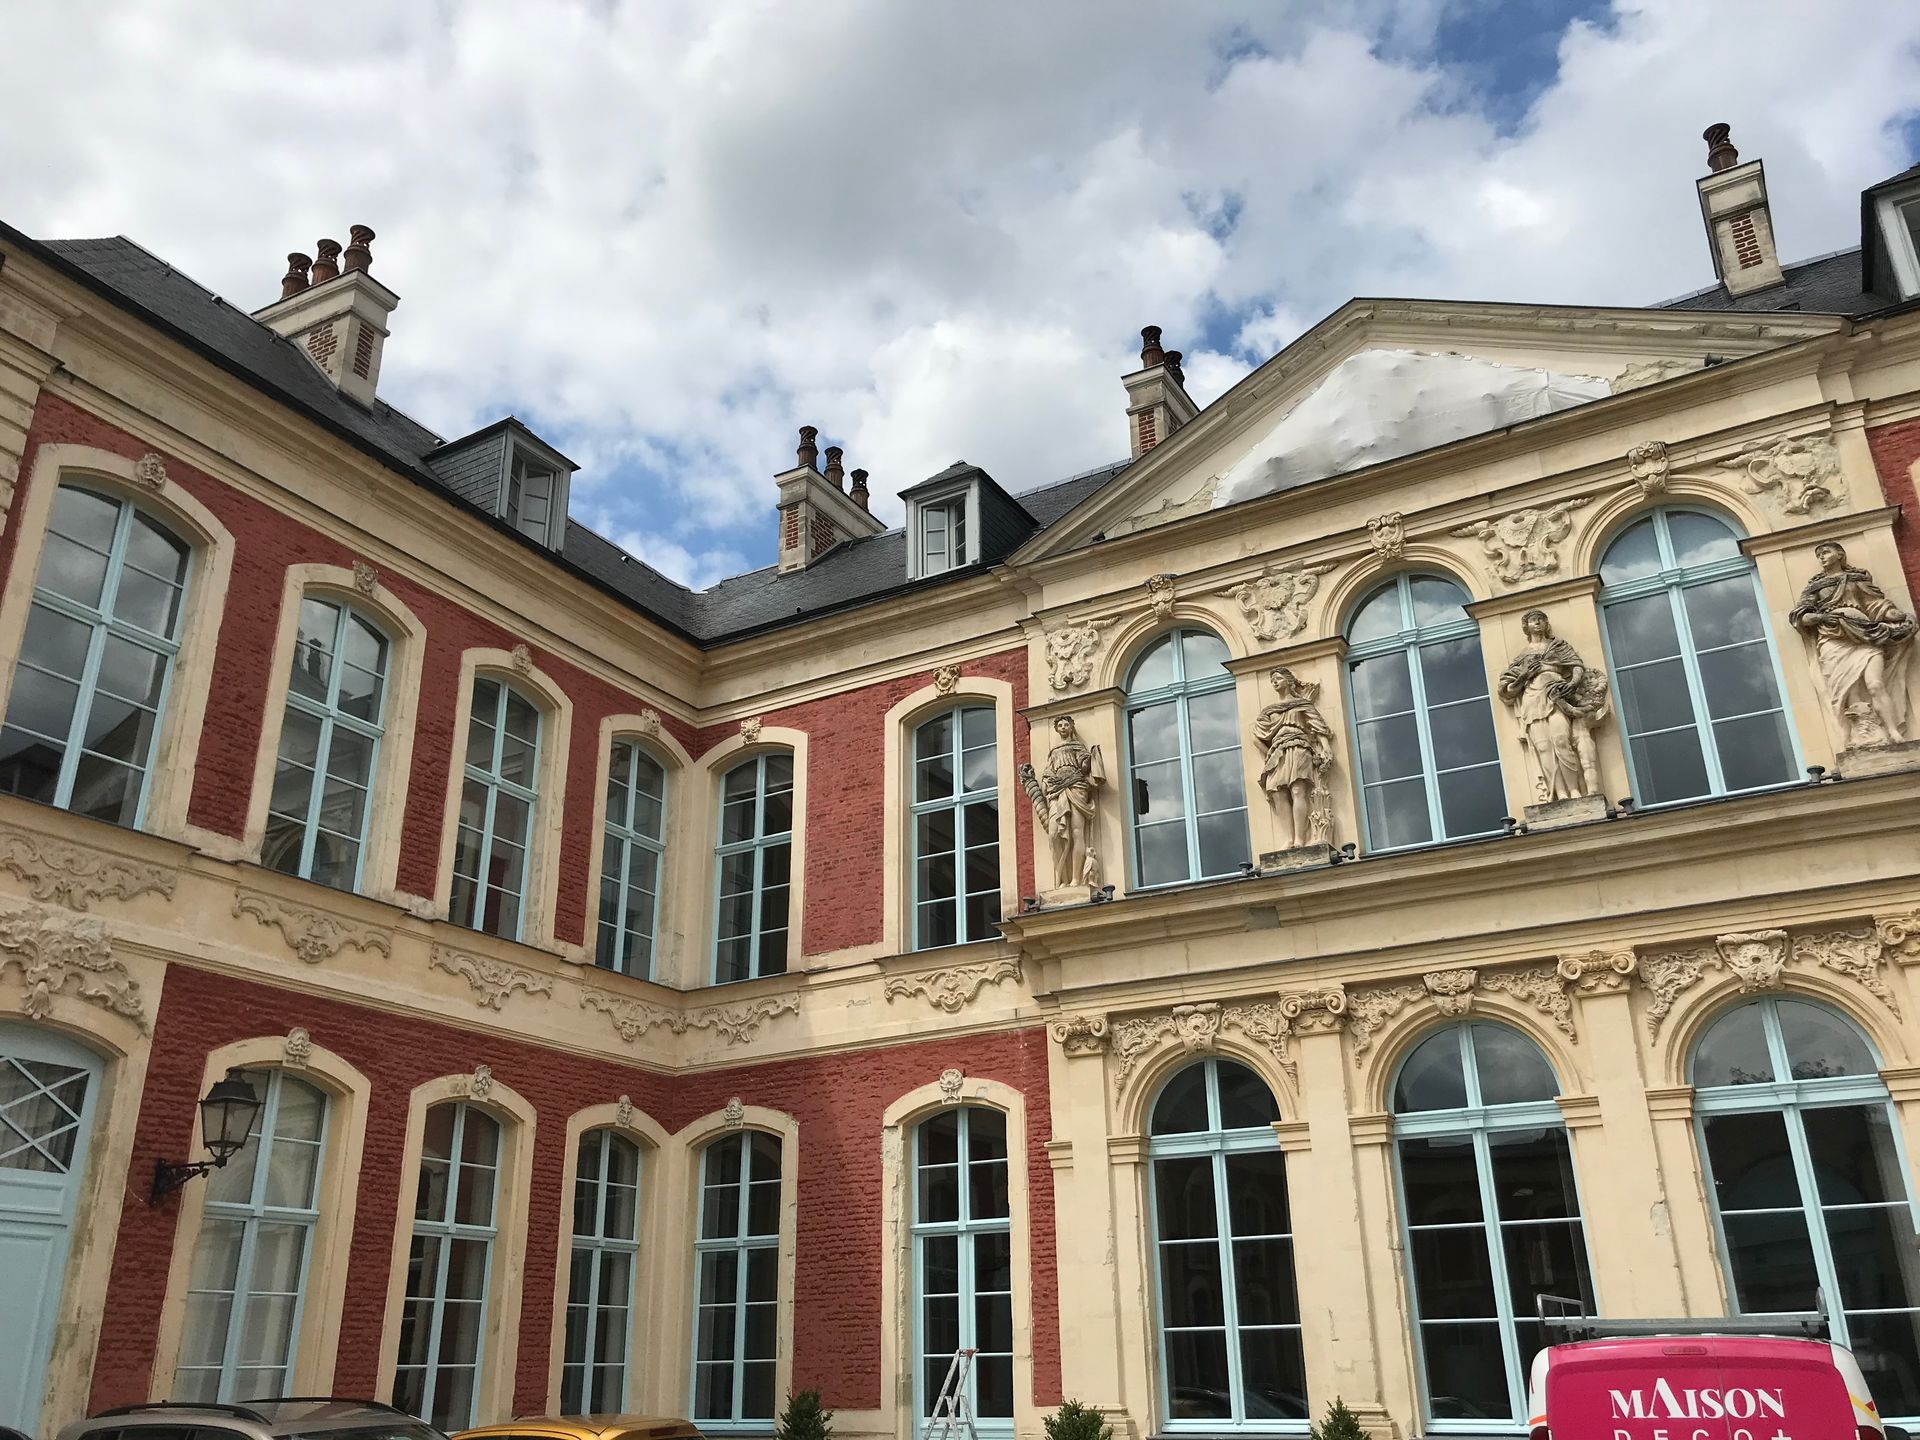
[807,452]
[1150,352]
[327,267]
[358,256]
[859,491]
[1173,367]
[835,475]
[295,280]
[1720,152]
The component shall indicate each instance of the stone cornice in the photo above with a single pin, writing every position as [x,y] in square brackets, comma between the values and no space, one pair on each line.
[1516,601]
[1039,715]
[1332,647]
[1829,527]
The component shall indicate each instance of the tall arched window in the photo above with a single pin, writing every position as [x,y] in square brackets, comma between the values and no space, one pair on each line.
[1229,1315]
[956,828]
[606,1253]
[444,1318]
[250,1262]
[496,810]
[963,1260]
[1492,1216]
[1692,662]
[329,737]
[630,859]
[1429,769]
[91,680]
[756,868]
[736,1324]
[1809,1183]
[1183,751]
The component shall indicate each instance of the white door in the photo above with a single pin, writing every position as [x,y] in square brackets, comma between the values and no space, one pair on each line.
[47,1089]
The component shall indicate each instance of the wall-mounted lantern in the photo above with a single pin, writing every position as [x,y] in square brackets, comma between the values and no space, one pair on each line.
[226,1119]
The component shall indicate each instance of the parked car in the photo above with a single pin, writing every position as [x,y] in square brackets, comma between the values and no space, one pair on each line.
[586,1427]
[313,1417]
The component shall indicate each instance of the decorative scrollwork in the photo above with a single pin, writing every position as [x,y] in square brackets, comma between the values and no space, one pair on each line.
[310,934]
[56,952]
[75,876]
[492,981]
[952,988]
[733,1023]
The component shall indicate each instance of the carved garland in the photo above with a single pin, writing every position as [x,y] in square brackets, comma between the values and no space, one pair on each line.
[1759,960]
[311,935]
[735,1024]
[55,952]
[1197,1029]
[952,988]
[74,875]
[492,981]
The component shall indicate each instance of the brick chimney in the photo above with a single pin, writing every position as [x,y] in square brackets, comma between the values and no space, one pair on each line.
[1157,402]
[338,316]
[1733,202]
[816,514]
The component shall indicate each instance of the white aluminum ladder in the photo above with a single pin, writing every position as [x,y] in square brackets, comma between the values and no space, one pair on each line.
[952,1417]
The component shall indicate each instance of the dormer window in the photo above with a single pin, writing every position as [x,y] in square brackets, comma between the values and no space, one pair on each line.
[531,487]
[943,535]
[508,471]
[1900,232]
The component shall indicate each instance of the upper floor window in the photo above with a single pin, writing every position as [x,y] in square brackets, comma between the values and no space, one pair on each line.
[496,810]
[1692,662]
[1183,754]
[943,524]
[532,488]
[250,1262]
[755,868]
[630,859]
[963,1258]
[1429,769]
[336,699]
[600,1281]
[1899,218]
[956,828]
[91,679]
[943,536]
[736,1324]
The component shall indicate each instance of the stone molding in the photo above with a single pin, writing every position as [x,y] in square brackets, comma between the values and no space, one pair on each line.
[951,989]
[492,981]
[1196,1029]
[312,935]
[736,1024]
[74,875]
[1549,987]
[1760,959]
[57,952]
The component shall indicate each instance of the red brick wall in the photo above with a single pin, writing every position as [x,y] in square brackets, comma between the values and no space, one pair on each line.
[837,1100]
[1896,448]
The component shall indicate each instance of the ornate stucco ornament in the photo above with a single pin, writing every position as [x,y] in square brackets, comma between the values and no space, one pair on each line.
[151,471]
[1388,535]
[1162,595]
[1759,960]
[946,679]
[297,1050]
[650,722]
[1861,644]
[951,1079]
[1071,650]
[1900,935]
[954,987]
[623,1112]
[1369,1010]
[1649,464]
[522,659]
[1066,806]
[1080,1034]
[1525,544]
[1800,475]
[735,1113]
[1540,986]
[56,952]
[1275,601]
[735,1024]
[492,981]
[1556,699]
[310,934]
[750,729]
[477,1086]
[1598,972]
[1452,990]
[1196,1029]
[74,875]
[1297,745]
[366,579]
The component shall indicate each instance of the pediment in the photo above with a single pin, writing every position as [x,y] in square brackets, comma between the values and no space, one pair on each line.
[1380,379]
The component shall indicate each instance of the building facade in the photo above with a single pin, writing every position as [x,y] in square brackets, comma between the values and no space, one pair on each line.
[1434,827]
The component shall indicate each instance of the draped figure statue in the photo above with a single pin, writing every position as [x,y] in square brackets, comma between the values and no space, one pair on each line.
[1299,748]
[1064,802]
[1557,698]
[1862,642]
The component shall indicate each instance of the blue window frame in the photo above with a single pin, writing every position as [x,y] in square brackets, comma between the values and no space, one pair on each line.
[956,829]
[1423,728]
[1693,661]
[736,1325]
[248,1281]
[91,681]
[497,804]
[630,859]
[444,1316]
[755,868]
[963,1261]
[1188,791]
[1491,1216]
[600,1284]
[1808,1173]
[329,742]
[1230,1350]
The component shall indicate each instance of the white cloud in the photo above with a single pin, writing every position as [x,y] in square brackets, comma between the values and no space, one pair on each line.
[666,234]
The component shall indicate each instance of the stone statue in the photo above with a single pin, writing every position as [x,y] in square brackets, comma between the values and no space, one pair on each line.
[1862,642]
[1558,699]
[1299,749]
[1064,803]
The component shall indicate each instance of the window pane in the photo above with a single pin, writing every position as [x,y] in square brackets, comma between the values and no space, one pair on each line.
[1510,1067]
[1754,751]
[1452,670]
[1203,654]
[1154,732]
[1472,802]
[1699,539]
[1389,749]
[1668,766]
[1183,1193]
[1378,616]
[1739,680]
[1397,814]
[1752,1167]
[1213,721]
[1154,669]
[1182,1106]
[1466,1372]
[1462,734]
[1723,612]
[1532,1180]
[1634,556]
[1772,1261]
[1734,1050]
[1190,1285]
[1432,1077]
[1245,1101]
[1436,601]
[1642,630]
[1163,854]
[1381,686]
[1453,1274]
[1440,1179]
[1224,846]
[1655,697]
[1819,1043]
[1257,1198]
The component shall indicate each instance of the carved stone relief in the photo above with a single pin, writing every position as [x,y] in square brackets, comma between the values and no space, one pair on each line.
[1071,650]
[1080,1034]
[735,1113]
[1598,972]
[74,875]
[1525,544]
[492,981]
[366,579]
[1388,535]
[750,729]
[1297,746]
[954,987]
[1861,644]
[311,935]
[477,1086]
[1900,935]
[522,660]
[946,679]
[1167,509]
[1556,699]
[1759,960]
[1369,1011]
[623,1112]
[151,471]
[56,952]
[1799,475]
[649,722]
[1196,1029]
[1452,990]
[1649,464]
[735,1024]
[1541,986]
[1161,595]
[951,1080]
[297,1051]
[1275,601]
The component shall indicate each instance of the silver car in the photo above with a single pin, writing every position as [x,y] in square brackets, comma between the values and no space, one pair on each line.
[284,1418]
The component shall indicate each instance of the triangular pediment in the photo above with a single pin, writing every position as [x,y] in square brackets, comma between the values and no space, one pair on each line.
[1381,379]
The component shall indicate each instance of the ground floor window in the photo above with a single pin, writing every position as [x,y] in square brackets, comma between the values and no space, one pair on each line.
[600,1280]
[737,1283]
[963,1260]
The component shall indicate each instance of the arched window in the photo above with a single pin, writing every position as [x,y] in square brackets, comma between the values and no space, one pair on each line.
[444,1317]
[1229,1315]
[1423,729]
[250,1261]
[496,810]
[963,1260]
[1809,1183]
[1491,1212]
[336,703]
[1692,664]
[956,828]
[630,859]
[1183,750]
[736,1322]
[91,680]
[756,868]
[606,1253]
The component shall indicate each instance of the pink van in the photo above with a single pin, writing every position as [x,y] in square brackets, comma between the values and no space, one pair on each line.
[1700,1387]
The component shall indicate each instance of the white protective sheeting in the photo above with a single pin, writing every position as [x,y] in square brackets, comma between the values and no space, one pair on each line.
[1380,404]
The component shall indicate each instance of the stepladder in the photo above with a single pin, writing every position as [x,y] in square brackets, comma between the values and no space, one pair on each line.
[952,1417]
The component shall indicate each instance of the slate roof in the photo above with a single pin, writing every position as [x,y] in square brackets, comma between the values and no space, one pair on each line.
[1828,284]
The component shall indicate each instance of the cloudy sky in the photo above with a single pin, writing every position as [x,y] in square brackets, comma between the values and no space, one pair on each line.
[665,234]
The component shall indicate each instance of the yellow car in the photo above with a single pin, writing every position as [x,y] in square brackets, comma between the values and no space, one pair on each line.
[586,1427]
